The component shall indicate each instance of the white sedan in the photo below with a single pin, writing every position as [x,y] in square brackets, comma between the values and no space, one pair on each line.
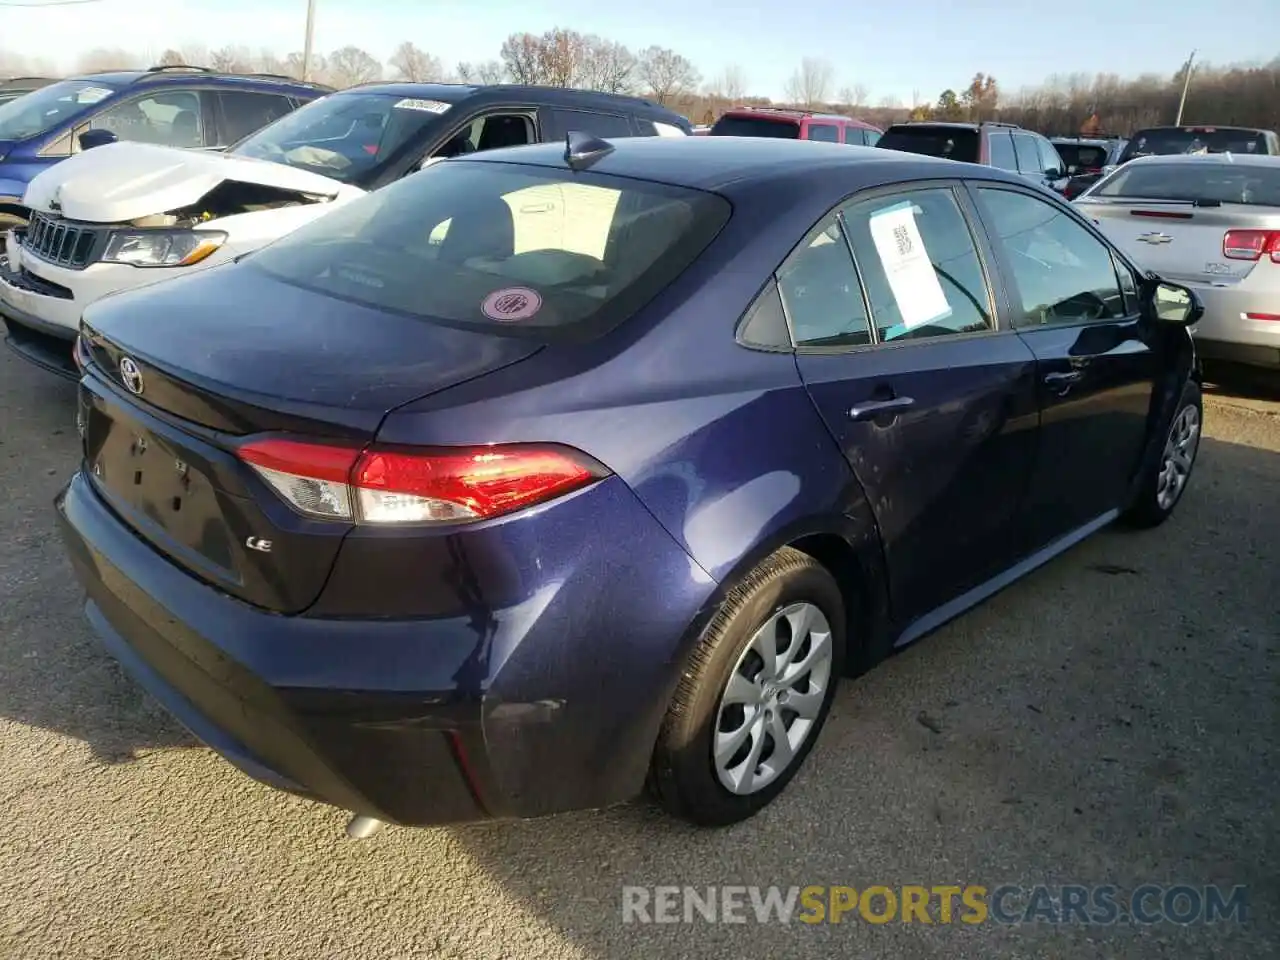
[1212,222]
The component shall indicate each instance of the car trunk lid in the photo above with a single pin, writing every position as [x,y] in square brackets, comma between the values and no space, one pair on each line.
[176,385]
[1179,239]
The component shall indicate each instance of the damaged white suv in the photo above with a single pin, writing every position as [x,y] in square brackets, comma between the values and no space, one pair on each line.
[124,215]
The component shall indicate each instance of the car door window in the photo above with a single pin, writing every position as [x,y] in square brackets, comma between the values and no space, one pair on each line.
[820,292]
[1050,160]
[1028,156]
[1128,285]
[245,111]
[919,265]
[1002,154]
[827,132]
[173,118]
[559,122]
[1063,273]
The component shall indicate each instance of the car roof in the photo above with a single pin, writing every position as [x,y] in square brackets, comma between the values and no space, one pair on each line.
[714,163]
[1218,159]
[792,114]
[162,76]
[1202,128]
[458,92]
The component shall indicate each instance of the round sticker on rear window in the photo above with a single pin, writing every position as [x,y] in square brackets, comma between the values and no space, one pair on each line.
[512,304]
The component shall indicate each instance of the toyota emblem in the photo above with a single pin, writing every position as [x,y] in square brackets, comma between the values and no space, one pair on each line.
[130,375]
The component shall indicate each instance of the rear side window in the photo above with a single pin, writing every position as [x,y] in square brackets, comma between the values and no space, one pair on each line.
[1242,183]
[243,112]
[559,122]
[1001,151]
[1050,159]
[871,137]
[780,127]
[1163,141]
[820,289]
[524,250]
[1028,157]
[919,265]
[951,143]
[827,132]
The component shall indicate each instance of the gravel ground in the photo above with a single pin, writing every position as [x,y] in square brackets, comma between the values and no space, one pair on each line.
[1111,719]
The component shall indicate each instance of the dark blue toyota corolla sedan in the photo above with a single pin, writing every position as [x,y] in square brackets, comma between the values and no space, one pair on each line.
[549,472]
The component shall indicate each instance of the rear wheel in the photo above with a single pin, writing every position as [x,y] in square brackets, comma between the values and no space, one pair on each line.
[1166,479]
[755,694]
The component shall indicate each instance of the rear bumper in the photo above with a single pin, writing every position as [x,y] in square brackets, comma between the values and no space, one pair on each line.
[521,713]
[1227,333]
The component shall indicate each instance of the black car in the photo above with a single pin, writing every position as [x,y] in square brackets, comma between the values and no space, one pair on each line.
[1003,145]
[1085,159]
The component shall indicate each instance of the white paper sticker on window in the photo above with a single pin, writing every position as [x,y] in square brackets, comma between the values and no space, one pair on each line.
[907,265]
[431,106]
[93,94]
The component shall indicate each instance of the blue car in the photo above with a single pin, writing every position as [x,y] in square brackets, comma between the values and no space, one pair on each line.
[550,472]
[173,106]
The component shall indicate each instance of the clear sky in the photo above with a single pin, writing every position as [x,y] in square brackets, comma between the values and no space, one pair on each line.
[892,47]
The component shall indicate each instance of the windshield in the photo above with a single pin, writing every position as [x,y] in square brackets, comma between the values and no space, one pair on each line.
[41,110]
[344,136]
[1251,184]
[950,143]
[1163,141]
[1082,157]
[503,247]
[780,128]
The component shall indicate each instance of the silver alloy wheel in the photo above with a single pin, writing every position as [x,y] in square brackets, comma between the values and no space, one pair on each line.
[1179,454]
[772,700]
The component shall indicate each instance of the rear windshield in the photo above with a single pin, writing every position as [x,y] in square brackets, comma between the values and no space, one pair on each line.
[523,249]
[779,128]
[1082,157]
[950,143]
[346,136]
[41,110]
[1162,141]
[1224,182]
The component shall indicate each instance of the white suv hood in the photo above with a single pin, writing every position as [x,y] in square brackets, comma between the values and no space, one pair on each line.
[120,182]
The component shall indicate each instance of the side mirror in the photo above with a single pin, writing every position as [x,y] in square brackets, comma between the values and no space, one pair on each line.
[1054,174]
[1175,304]
[99,137]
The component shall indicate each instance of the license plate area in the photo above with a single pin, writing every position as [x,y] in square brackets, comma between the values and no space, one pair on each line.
[160,487]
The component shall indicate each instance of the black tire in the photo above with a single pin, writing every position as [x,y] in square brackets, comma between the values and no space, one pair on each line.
[683,776]
[1148,510]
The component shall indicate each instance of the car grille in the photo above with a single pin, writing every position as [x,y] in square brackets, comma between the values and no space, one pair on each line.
[63,242]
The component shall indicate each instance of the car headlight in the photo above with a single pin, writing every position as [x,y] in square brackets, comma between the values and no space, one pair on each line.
[162,248]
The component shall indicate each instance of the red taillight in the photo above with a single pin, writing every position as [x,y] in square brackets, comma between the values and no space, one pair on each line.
[1274,317]
[390,485]
[1251,244]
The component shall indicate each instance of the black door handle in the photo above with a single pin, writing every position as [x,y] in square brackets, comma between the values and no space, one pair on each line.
[874,408]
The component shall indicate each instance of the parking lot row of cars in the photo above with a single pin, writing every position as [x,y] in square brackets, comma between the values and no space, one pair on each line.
[346,471]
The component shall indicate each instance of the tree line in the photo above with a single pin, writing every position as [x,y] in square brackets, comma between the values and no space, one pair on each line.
[1243,95]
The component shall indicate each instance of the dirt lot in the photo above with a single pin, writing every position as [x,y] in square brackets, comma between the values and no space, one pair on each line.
[1111,719]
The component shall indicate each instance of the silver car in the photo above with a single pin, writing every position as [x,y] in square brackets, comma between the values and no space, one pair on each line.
[1211,222]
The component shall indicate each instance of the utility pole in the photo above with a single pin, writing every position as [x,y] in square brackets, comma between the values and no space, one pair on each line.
[306,47]
[1186,85]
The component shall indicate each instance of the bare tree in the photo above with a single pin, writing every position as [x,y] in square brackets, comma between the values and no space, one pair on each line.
[269,62]
[608,66]
[522,57]
[293,65]
[489,72]
[231,60]
[810,83]
[195,55]
[171,58]
[351,65]
[413,63]
[561,53]
[667,74]
[102,59]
